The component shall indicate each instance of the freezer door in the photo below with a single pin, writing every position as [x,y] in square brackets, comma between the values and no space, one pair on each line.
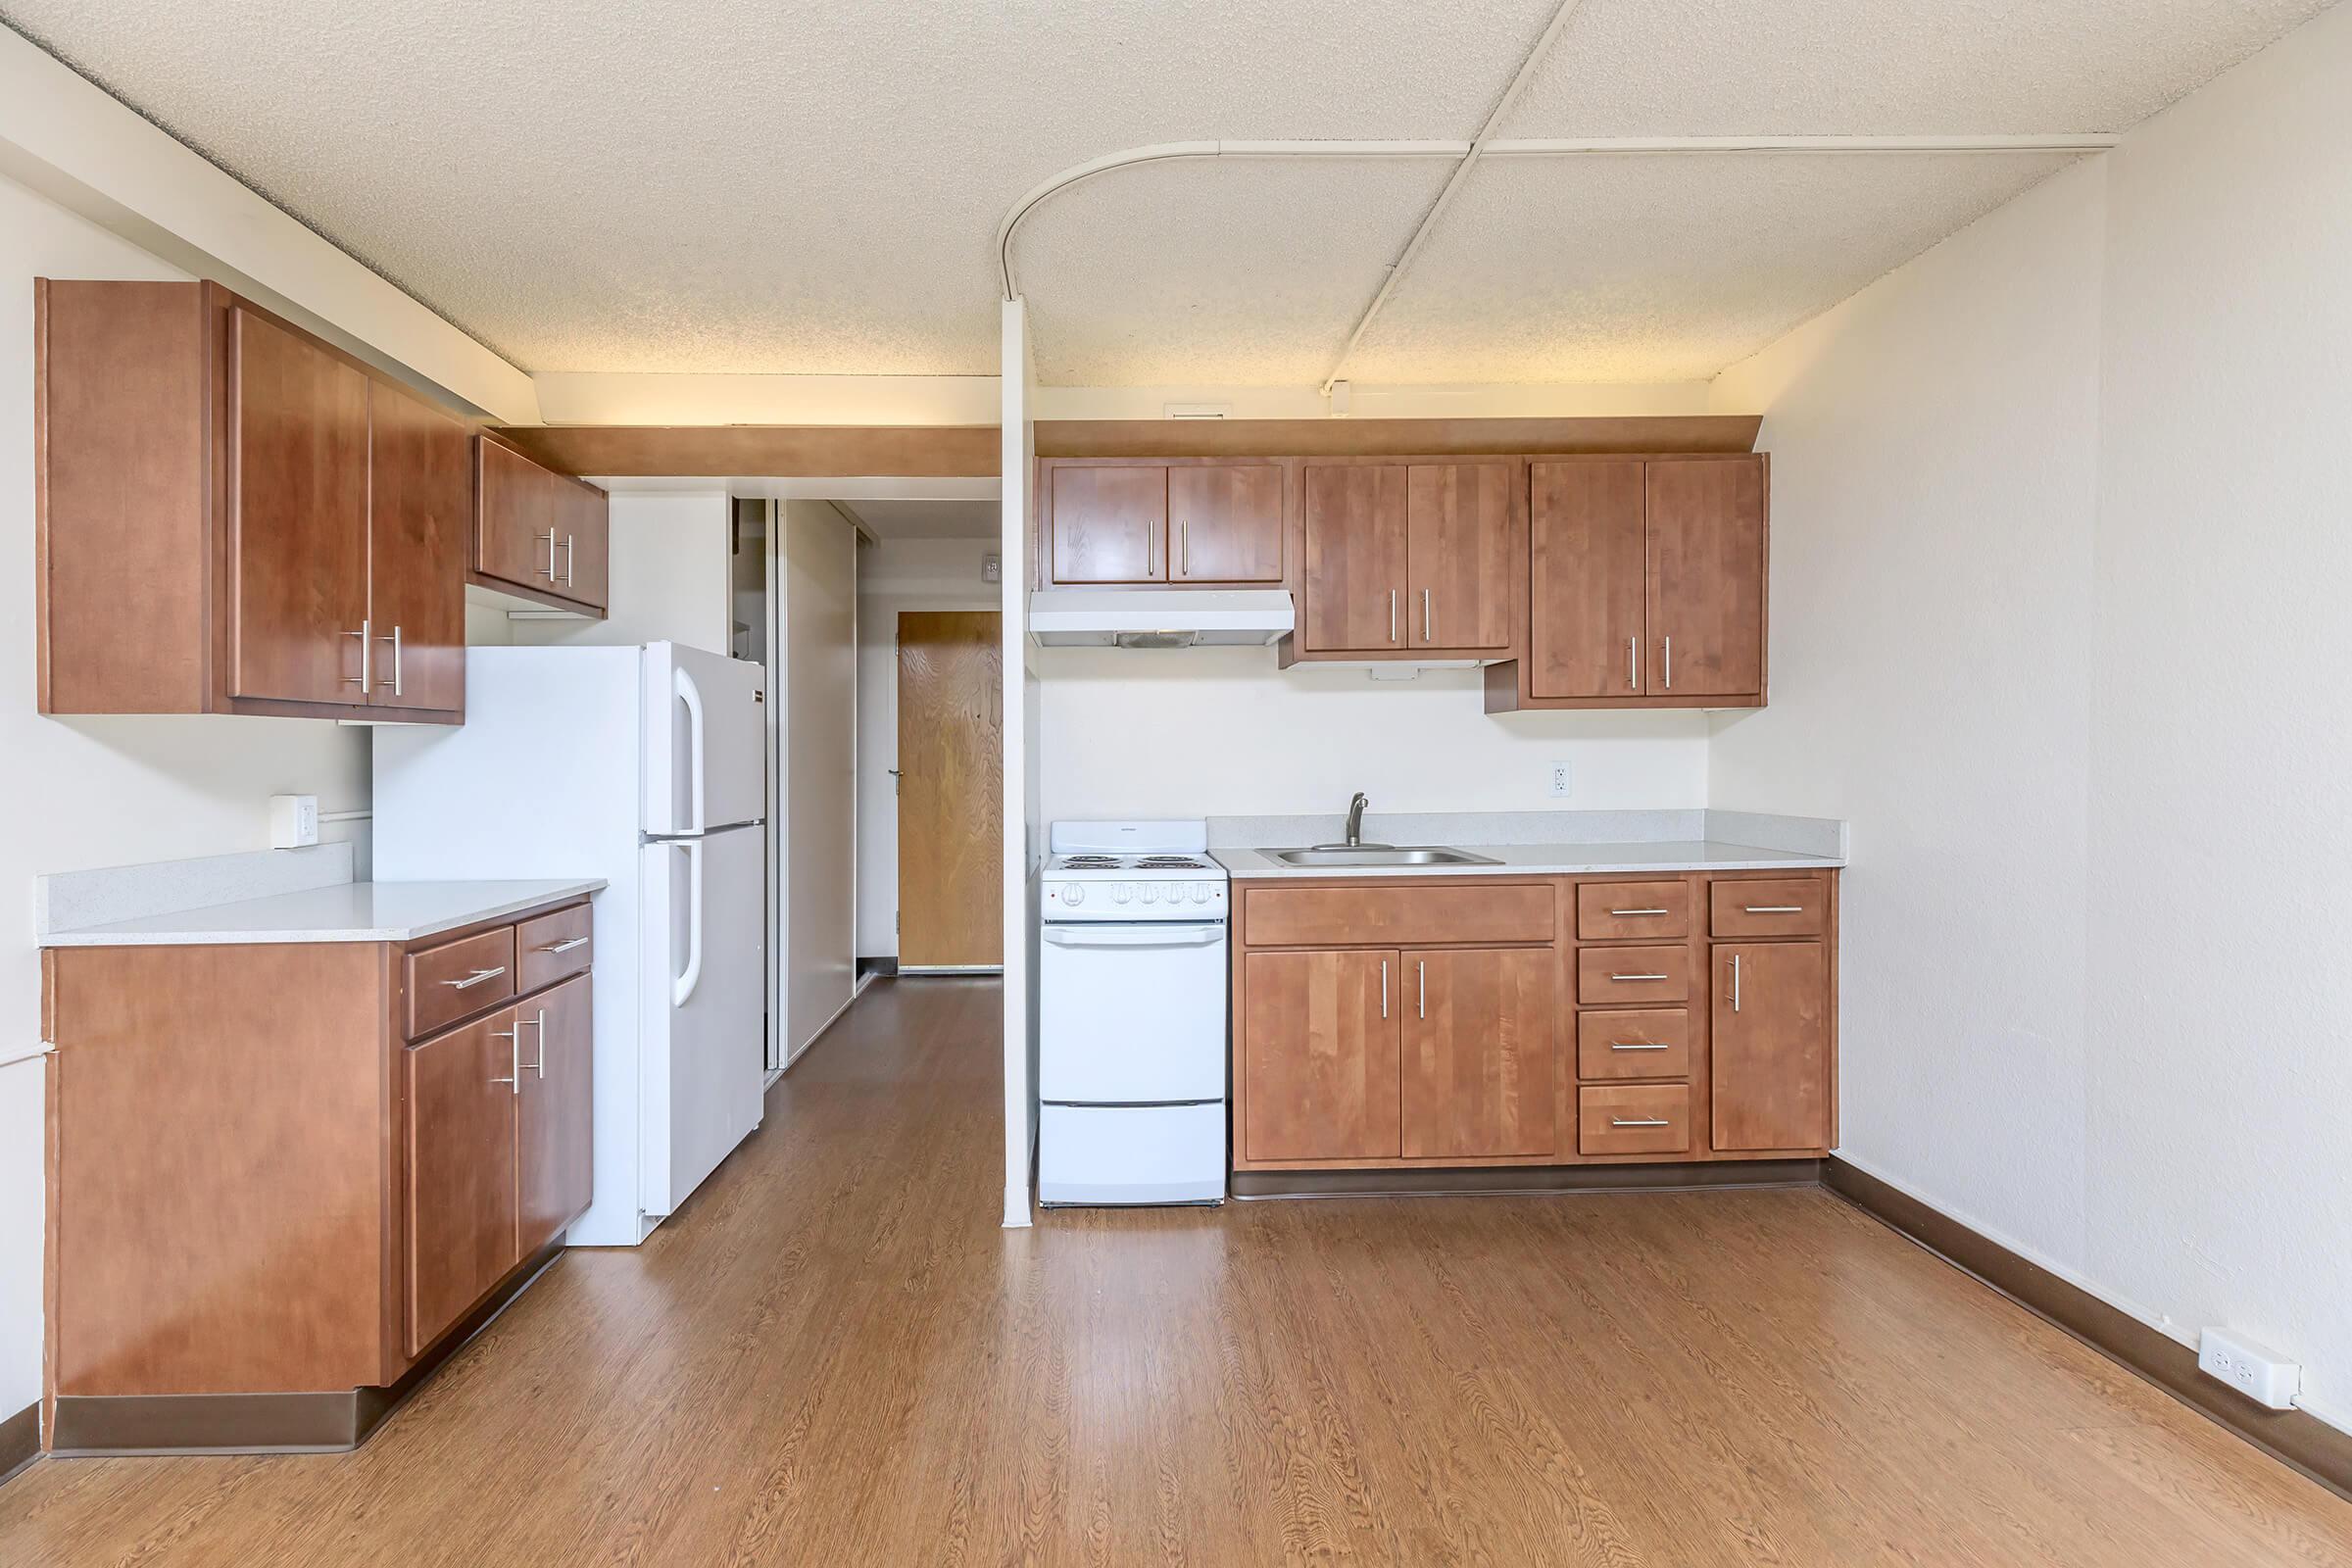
[705,732]
[703,1000]
[1132,1014]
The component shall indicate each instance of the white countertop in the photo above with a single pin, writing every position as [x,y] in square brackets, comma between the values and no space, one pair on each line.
[345,911]
[1549,860]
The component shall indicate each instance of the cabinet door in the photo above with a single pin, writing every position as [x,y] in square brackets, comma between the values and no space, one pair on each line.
[1110,524]
[298,517]
[1771,1044]
[419,514]
[1227,519]
[1458,573]
[583,513]
[1357,529]
[1705,527]
[1319,1064]
[1585,589]
[1478,1052]
[461,1222]
[514,531]
[551,1146]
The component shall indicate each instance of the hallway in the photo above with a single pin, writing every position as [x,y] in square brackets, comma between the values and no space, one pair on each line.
[834,1357]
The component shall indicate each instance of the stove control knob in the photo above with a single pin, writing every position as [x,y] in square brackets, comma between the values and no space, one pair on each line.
[1151,892]
[1199,893]
[1074,894]
[1121,893]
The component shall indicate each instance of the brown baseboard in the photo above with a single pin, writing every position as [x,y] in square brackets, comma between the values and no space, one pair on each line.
[2294,1438]
[324,1421]
[1523,1180]
[20,1441]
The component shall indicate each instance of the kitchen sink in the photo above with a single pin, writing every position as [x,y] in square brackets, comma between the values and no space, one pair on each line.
[1379,854]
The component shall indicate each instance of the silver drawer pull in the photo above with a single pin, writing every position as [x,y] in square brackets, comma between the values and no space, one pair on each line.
[562,946]
[1637,1045]
[1640,977]
[1775,908]
[1639,1121]
[1623,913]
[476,978]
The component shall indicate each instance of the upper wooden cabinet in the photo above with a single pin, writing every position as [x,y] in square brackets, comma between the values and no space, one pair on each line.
[1176,521]
[1410,560]
[1227,519]
[235,517]
[539,532]
[1645,585]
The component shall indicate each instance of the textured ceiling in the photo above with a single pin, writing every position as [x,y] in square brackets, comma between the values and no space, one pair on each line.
[740,185]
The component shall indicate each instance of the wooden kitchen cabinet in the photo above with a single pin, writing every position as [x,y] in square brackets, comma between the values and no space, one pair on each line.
[234,517]
[1227,522]
[460,1197]
[1410,560]
[1322,1083]
[1182,522]
[539,533]
[1771,1045]
[551,1113]
[1705,527]
[1357,536]
[1459,572]
[1110,524]
[1587,579]
[1478,1052]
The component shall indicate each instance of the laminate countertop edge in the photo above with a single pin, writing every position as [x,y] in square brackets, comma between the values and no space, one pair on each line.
[1548,860]
[345,911]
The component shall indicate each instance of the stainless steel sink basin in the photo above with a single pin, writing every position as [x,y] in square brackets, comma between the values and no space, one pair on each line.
[1379,854]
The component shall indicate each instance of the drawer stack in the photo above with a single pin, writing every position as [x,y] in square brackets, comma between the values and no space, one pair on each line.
[1633,1018]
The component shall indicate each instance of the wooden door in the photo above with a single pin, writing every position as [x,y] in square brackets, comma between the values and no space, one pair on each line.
[1771,1044]
[1458,571]
[461,1199]
[1352,596]
[1705,525]
[1110,524]
[1319,1056]
[583,513]
[950,781]
[298,517]
[1478,1052]
[1227,522]
[552,1114]
[1587,589]
[420,519]
[516,534]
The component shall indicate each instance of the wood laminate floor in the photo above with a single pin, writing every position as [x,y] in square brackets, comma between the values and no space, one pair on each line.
[835,1356]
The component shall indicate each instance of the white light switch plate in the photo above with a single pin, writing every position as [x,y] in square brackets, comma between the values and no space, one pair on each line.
[293,821]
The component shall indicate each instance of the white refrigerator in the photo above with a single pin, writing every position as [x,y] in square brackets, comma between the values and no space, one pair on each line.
[644,766]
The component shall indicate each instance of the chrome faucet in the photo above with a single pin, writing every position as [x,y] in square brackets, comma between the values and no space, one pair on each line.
[1356,818]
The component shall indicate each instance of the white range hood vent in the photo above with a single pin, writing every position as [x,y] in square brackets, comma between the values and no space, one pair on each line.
[1167,617]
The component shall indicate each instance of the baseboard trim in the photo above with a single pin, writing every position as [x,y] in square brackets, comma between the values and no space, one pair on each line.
[2294,1438]
[1523,1180]
[325,1421]
[20,1441]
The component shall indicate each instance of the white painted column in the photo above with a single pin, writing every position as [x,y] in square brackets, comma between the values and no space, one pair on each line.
[1020,773]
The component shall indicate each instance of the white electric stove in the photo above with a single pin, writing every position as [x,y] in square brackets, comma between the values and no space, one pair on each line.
[1131,1002]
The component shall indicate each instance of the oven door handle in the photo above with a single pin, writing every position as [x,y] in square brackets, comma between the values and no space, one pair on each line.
[1134,936]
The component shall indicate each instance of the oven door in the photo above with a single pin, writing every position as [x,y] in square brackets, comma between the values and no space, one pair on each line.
[1132,1014]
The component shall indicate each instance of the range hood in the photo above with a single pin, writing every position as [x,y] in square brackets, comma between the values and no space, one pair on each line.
[1165,618]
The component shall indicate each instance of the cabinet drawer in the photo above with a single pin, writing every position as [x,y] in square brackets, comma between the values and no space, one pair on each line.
[1798,907]
[1652,1044]
[1397,917]
[459,978]
[1612,912]
[1634,1119]
[551,947]
[1629,976]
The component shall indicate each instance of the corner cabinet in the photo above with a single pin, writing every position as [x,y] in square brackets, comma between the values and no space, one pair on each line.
[294,1177]
[1430,1021]
[236,517]
[538,535]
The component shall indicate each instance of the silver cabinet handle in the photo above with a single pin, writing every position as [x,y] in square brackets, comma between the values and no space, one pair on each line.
[1423,966]
[1647,911]
[550,573]
[394,640]
[1640,977]
[1775,908]
[1636,1045]
[1149,556]
[361,680]
[1670,663]
[1633,663]
[1391,614]
[1383,988]
[562,946]
[570,555]
[1735,982]
[1184,545]
[1429,627]
[476,978]
[514,1083]
[540,1024]
[1639,1121]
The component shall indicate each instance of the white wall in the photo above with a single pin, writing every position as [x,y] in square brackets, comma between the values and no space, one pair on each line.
[2060,548]
[817,680]
[670,576]
[896,575]
[1222,731]
[88,791]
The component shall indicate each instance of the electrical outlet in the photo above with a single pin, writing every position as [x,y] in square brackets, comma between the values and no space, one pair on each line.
[1559,780]
[293,821]
[2263,1376]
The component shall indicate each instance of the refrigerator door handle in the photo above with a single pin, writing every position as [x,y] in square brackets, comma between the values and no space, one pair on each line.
[682,986]
[699,800]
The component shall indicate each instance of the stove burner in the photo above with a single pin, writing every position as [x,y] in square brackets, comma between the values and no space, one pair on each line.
[1090,862]
[1170,862]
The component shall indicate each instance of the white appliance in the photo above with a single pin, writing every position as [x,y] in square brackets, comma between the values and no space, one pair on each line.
[1166,618]
[1131,1000]
[645,766]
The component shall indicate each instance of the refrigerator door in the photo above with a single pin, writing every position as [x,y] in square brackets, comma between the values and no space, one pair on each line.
[706,729]
[702,996]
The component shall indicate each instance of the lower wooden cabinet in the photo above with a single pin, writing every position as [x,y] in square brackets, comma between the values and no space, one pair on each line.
[1323,1084]
[1771,1045]
[460,1197]
[552,1114]
[1477,1052]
